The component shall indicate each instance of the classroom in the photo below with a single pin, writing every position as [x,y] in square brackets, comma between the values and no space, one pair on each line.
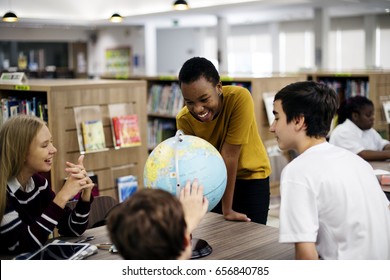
[112,84]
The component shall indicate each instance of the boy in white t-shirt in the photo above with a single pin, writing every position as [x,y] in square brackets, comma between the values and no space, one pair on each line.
[332,206]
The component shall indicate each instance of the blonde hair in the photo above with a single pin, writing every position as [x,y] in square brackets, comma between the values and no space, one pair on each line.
[16,135]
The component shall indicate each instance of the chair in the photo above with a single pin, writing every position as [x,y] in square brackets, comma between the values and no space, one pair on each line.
[99,210]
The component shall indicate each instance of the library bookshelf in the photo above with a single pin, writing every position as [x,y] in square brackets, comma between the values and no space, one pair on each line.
[62,97]
[375,85]
[163,124]
[256,85]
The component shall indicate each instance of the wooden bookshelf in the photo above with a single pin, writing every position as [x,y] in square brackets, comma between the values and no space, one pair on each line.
[256,85]
[62,97]
[375,85]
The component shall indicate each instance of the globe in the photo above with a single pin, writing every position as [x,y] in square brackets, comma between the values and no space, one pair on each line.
[186,157]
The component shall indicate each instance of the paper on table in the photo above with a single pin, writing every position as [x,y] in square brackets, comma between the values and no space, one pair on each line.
[381,172]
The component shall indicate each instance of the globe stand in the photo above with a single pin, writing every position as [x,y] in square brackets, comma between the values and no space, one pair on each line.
[200,248]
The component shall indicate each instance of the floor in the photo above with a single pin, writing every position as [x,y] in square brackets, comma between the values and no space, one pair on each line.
[273,214]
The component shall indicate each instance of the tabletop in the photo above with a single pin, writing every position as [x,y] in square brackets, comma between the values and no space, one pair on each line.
[229,240]
[383,165]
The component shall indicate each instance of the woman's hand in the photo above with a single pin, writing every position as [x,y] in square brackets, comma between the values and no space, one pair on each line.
[76,182]
[78,171]
[232,215]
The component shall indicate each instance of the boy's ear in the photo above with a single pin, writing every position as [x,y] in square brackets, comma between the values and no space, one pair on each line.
[187,240]
[187,247]
[300,122]
[354,116]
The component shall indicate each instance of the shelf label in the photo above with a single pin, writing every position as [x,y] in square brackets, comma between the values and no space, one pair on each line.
[170,78]
[343,75]
[13,78]
[22,87]
[226,79]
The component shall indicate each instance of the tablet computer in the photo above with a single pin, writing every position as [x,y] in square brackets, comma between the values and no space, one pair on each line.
[59,251]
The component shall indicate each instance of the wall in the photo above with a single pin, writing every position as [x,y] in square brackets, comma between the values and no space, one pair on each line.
[35,34]
[43,34]
[98,41]
[175,46]
[113,37]
[251,48]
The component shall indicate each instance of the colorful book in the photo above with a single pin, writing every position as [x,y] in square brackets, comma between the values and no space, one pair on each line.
[126,131]
[127,185]
[93,135]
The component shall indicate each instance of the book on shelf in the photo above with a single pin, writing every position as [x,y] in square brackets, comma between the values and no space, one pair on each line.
[160,130]
[165,99]
[12,106]
[127,185]
[126,131]
[268,98]
[89,127]
[93,135]
[386,109]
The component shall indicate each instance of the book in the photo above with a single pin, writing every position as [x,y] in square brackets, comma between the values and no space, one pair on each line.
[268,98]
[14,108]
[93,135]
[386,109]
[4,109]
[126,131]
[127,185]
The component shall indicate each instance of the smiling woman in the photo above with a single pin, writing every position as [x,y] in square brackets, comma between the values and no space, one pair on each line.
[29,209]
[224,116]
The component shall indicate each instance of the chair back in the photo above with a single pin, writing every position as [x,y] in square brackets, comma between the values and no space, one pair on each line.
[100,207]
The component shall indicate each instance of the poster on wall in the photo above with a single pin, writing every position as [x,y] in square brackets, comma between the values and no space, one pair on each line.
[119,61]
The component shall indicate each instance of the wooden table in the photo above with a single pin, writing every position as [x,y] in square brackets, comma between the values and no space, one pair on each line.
[241,241]
[229,240]
[384,165]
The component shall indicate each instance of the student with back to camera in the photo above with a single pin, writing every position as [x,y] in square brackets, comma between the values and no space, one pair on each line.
[29,209]
[152,224]
[224,116]
[355,131]
[332,206]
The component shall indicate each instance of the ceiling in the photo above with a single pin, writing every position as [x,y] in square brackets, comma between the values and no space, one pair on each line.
[160,12]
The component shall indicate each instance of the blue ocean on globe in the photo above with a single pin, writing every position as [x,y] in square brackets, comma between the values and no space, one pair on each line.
[186,157]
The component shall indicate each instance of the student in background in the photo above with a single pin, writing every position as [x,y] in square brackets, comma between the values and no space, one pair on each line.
[153,224]
[332,206]
[355,131]
[29,209]
[224,116]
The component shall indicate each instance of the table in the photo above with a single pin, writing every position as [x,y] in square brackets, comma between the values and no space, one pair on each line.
[384,165]
[242,240]
[229,240]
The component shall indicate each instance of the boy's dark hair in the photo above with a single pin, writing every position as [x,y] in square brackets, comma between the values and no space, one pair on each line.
[352,105]
[315,101]
[149,225]
[197,67]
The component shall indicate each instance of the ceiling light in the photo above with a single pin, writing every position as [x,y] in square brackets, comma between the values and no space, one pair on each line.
[10,17]
[116,18]
[180,5]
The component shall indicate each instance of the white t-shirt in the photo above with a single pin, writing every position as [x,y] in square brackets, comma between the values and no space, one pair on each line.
[349,136]
[331,196]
